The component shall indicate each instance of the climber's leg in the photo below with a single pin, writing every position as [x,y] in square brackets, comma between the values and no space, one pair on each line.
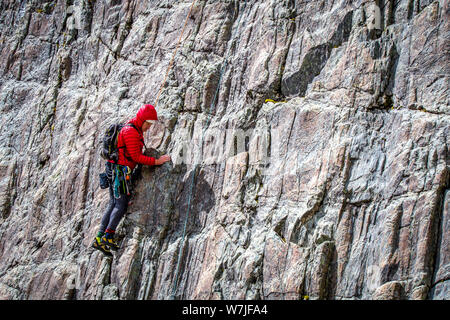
[119,210]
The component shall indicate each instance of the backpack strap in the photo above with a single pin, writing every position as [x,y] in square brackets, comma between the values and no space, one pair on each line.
[128,125]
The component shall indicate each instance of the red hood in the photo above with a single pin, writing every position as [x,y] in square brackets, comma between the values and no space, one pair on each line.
[146,112]
[138,123]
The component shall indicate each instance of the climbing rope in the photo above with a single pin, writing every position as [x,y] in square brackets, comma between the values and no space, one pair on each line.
[194,170]
[174,289]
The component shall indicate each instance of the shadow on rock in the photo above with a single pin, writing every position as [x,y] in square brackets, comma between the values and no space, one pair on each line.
[165,195]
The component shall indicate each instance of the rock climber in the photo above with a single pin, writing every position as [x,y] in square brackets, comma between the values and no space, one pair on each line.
[130,142]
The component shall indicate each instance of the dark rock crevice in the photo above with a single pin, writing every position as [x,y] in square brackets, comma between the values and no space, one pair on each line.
[297,83]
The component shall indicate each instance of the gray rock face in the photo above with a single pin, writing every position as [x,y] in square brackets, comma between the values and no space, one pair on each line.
[337,191]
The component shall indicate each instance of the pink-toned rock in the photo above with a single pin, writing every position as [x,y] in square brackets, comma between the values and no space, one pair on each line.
[335,188]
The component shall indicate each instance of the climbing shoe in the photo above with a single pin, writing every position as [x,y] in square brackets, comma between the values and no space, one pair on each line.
[97,244]
[110,242]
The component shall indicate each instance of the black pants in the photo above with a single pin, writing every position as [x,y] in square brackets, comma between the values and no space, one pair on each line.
[116,207]
[115,211]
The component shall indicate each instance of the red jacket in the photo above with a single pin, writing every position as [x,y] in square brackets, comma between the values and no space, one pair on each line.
[133,140]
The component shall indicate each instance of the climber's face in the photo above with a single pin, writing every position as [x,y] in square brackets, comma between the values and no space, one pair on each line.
[147,124]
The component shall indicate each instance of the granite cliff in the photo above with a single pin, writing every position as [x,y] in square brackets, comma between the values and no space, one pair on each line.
[309,142]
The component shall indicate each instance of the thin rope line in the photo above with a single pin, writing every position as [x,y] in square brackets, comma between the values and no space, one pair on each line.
[196,165]
[184,232]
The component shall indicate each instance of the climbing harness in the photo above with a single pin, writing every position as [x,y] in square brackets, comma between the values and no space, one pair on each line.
[120,176]
[122,180]
[195,169]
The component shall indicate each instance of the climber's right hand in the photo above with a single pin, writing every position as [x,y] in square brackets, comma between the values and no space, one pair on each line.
[163,159]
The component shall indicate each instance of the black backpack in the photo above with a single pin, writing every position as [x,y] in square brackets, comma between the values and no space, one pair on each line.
[109,150]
